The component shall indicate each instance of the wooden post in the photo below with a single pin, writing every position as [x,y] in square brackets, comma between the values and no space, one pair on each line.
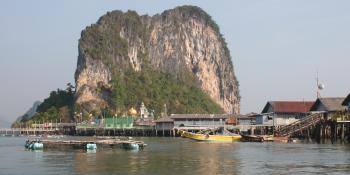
[336,130]
[349,132]
[320,132]
[342,132]
[333,129]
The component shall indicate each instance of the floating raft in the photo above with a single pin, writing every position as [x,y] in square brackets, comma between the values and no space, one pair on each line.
[84,144]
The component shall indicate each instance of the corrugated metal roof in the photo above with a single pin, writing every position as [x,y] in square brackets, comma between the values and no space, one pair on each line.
[288,106]
[330,104]
[200,116]
[145,122]
[164,119]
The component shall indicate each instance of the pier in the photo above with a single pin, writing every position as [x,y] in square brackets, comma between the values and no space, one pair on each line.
[27,131]
[41,129]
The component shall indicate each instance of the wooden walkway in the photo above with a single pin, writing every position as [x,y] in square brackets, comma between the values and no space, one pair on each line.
[299,125]
[27,131]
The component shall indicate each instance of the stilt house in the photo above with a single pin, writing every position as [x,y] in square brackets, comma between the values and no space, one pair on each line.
[283,112]
[332,106]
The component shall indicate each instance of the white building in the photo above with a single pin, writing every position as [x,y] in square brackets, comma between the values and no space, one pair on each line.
[144,113]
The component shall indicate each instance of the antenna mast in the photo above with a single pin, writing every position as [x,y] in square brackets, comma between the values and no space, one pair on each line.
[317,89]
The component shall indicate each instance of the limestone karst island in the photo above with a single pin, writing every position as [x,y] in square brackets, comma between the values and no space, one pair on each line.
[153,92]
[169,74]
[144,68]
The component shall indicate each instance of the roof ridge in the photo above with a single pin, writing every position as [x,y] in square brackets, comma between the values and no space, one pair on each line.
[292,101]
[330,97]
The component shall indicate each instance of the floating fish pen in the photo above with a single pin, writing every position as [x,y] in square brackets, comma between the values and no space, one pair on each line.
[84,144]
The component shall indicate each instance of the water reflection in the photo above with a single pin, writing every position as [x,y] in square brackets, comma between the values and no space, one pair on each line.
[91,151]
[217,158]
[177,155]
[180,156]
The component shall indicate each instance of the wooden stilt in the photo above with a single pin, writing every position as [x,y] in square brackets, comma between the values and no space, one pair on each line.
[308,135]
[349,132]
[342,132]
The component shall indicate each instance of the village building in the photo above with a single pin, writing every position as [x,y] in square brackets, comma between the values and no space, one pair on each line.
[245,122]
[346,102]
[145,113]
[199,120]
[164,123]
[346,114]
[247,119]
[195,121]
[145,119]
[276,113]
[331,106]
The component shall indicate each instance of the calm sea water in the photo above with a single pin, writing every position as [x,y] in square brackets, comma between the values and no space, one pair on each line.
[178,156]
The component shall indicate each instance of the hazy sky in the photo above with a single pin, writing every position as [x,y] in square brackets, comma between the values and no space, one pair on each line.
[276,46]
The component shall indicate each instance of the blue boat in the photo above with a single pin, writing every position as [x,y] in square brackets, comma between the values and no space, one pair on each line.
[91,146]
[34,145]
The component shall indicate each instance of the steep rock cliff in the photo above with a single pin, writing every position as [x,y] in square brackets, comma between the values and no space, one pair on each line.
[183,42]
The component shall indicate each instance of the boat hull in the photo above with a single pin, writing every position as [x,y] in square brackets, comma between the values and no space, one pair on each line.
[252,138]
[211,138]
[132,146]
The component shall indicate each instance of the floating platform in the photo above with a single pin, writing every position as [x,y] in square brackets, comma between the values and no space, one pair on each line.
[84,144]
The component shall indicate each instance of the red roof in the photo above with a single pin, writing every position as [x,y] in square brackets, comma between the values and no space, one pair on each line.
[288,106]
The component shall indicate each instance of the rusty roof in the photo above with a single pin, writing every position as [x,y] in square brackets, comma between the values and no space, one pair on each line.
[329,104]
[288,106]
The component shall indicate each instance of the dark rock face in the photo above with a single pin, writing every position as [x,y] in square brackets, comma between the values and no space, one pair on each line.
[180,41]
[30,113]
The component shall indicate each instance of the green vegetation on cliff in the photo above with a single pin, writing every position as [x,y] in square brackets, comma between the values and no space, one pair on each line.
[179,91]
[156,89]
[58,106]
[103,40]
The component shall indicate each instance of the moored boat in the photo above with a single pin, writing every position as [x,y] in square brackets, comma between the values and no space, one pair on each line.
[252,138]
[132,146]
[218,135]
[282,139]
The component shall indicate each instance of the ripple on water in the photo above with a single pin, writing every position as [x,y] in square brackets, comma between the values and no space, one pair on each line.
[179,156]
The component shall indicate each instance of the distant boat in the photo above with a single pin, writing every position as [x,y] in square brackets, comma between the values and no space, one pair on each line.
[283,139]
[210,135]
[252,138]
